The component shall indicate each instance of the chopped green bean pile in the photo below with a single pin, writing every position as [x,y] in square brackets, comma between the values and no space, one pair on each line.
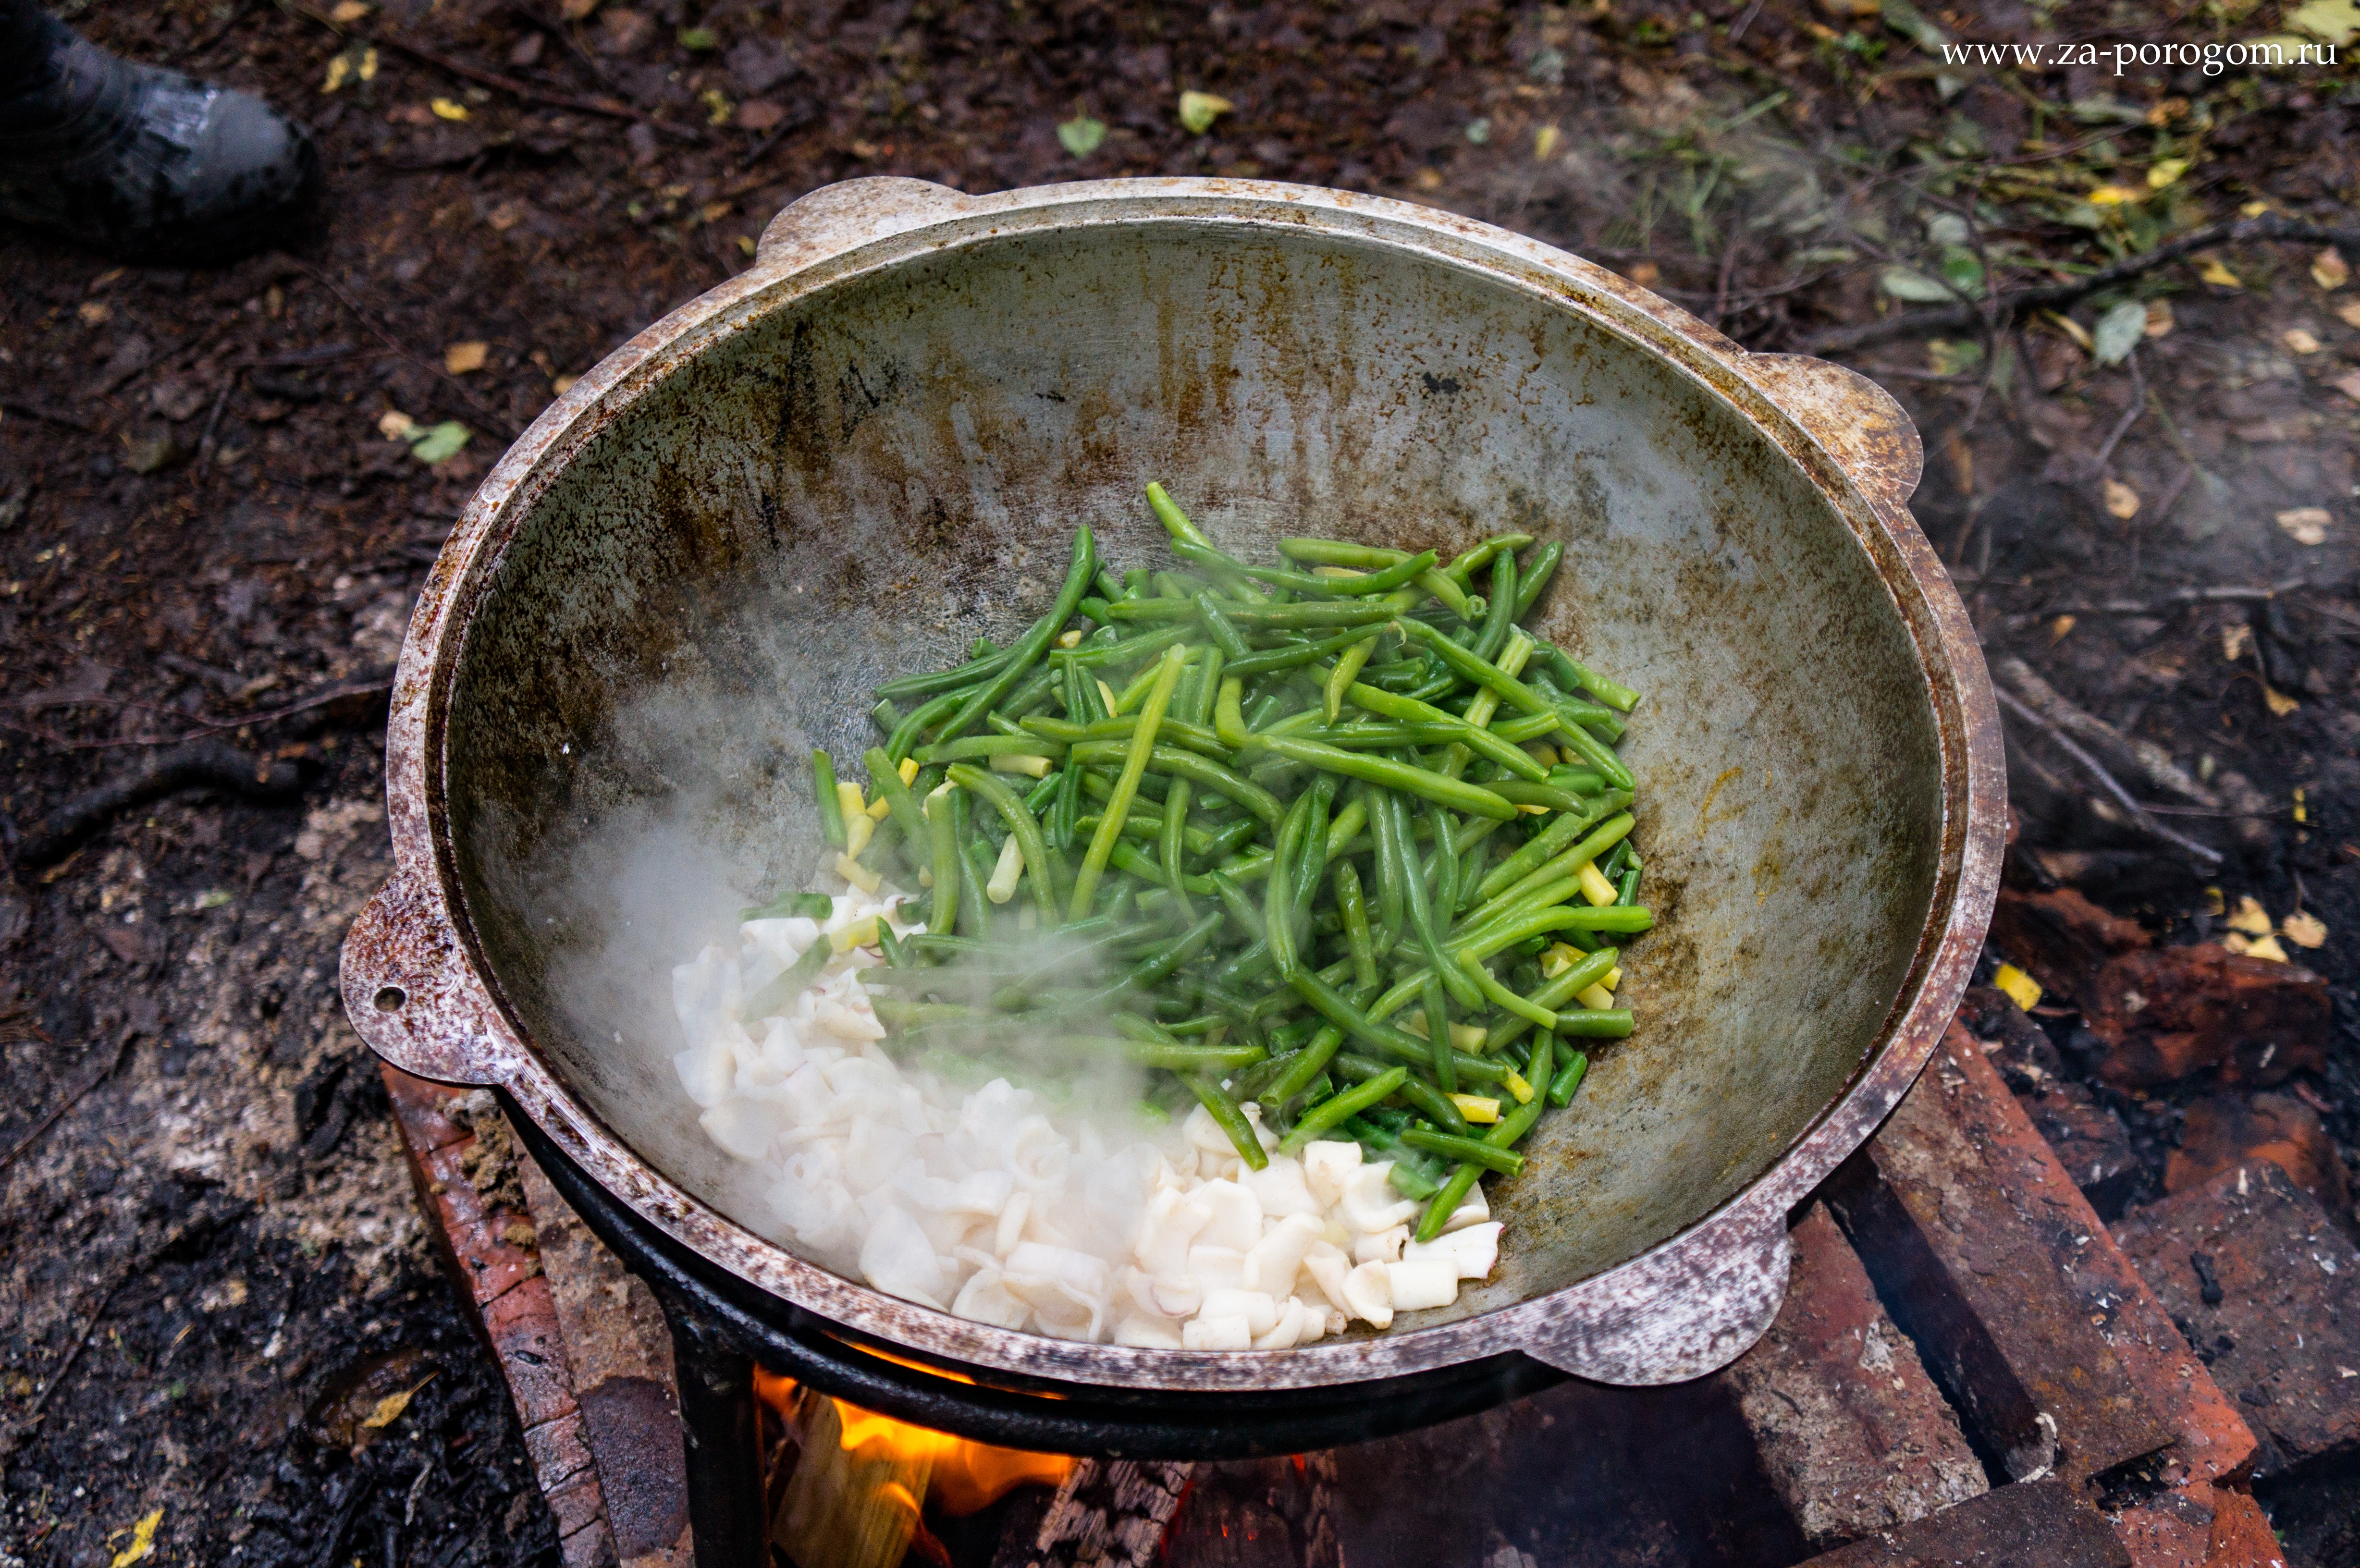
[1339,838]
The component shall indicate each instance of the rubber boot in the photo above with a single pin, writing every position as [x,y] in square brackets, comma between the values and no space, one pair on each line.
[136,161]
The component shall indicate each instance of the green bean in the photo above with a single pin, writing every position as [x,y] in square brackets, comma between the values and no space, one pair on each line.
[1193,736]
[1178,1058]
[1462,569]
[1534,576]
[907,731]
[973,747]
[1313,613]
[1503,616]
[1328,1113]
[1620,698]
[806,906]
[1465,664]
[1354,907]
[942,843]
[1339,680]
[1332,1005]
[885,780]
[1546,843]
[1184,764]
[1020,821]
[1474,736]
[1220,628]
[1474,1151]
[1079,573]
[1172,841]
[1445,1202]
[981,667]
[1568,1079]
[1311,862]
[1151,971]
[1436,1003]
[1340,552]
[1142,745]
[1471,799]
[1232,1120]
[831,810]
[1434,1104]
[1524,792]
[1308,1065]
[1421,916]
[1291,655]
[1392,899]
[1605,836]
[1502,997]
[1278,908]
[1149,869]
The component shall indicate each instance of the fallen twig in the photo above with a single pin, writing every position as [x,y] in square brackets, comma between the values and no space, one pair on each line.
[367,318]
[2007,303]
[599,104]
[203,763]
[32,1417]
[48,416]
[2107,781]
[359,686]
[2152,761]
[2179,598]
[97,1073]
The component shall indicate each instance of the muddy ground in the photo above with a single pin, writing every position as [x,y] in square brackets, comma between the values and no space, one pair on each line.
[215,1274]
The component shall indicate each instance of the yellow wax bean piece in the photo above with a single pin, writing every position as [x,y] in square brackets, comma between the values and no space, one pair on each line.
[1595,887]
[1476,1108]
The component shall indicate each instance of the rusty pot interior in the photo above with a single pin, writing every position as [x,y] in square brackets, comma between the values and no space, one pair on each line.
[850,480]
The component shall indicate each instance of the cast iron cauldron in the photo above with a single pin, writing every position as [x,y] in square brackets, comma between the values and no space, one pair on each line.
[873,445]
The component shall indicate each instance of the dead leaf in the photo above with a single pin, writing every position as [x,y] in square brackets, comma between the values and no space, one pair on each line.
[1646,273]
[395,425]
[2250,917]
[1199,110]
[2159,320]
[2329,269]
[574,10]
[462,358]
[2059,627]
[507,215]
[2306,525]
[387,1411]
[2122,501]
[94,312]
[2348,312]
[2277,701]
[2298,340]
[143,1540]
[2348,384]
[561,384]
[448,109]
[349,12]
[1545,141]
[2267,946]
[2212,272]
[2073,329]
[2305,930]
[759,113]
[2235,640]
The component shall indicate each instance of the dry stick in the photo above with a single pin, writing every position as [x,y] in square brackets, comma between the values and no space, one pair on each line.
[2179,598]
[2151,759]
[90,1080]
[609,108]
[2138,813]
[359,686]
[2014,302]
[32,1416]
[498,420]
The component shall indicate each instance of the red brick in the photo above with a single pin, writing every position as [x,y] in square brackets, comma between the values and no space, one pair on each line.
[1851,1430]
[489,1265]
[2284,1331]
[2061,938]
[2241,1537]
[558,1450]
[420,1105]
[1938,1205]
[522,1328]
[2227,1131]
[2040,1522]
[2166,1013]
[581,1513]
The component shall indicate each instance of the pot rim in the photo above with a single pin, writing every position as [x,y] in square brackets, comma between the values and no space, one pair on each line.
[422,993]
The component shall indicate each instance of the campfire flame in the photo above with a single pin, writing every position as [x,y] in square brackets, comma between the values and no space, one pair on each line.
[859,1491]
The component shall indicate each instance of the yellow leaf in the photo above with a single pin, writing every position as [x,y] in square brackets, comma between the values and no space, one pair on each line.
[94,312]
[2334,20]
[340,70]
[448,109]
[2075,329]
[560,383]
[2277,701]
[349,12]
[2021,987]
[1199,110]
[2253,208]
[2122,501]
[2304,931]
[2214,904]
[367,71]
[2165,172]
[2250,917]
[1545,142]
[2306,525]
[2219,277]
[462,358]
[2348,312]
[395,425]
[2301,809]
[143,1540]
[2059,627]
[2112,195]
[2266,947]
[2298,340]
[387,1411]
[2235,640]
[2329,269]
[2160,318]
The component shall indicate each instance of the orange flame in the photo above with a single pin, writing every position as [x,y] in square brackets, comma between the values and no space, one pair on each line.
[961,1477]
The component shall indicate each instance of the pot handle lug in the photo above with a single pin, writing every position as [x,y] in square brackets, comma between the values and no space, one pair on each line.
[835,218]
[1854,418]
[1694,1306]
[411,994]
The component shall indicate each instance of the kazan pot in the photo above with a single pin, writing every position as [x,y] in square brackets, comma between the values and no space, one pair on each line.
[874,445]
